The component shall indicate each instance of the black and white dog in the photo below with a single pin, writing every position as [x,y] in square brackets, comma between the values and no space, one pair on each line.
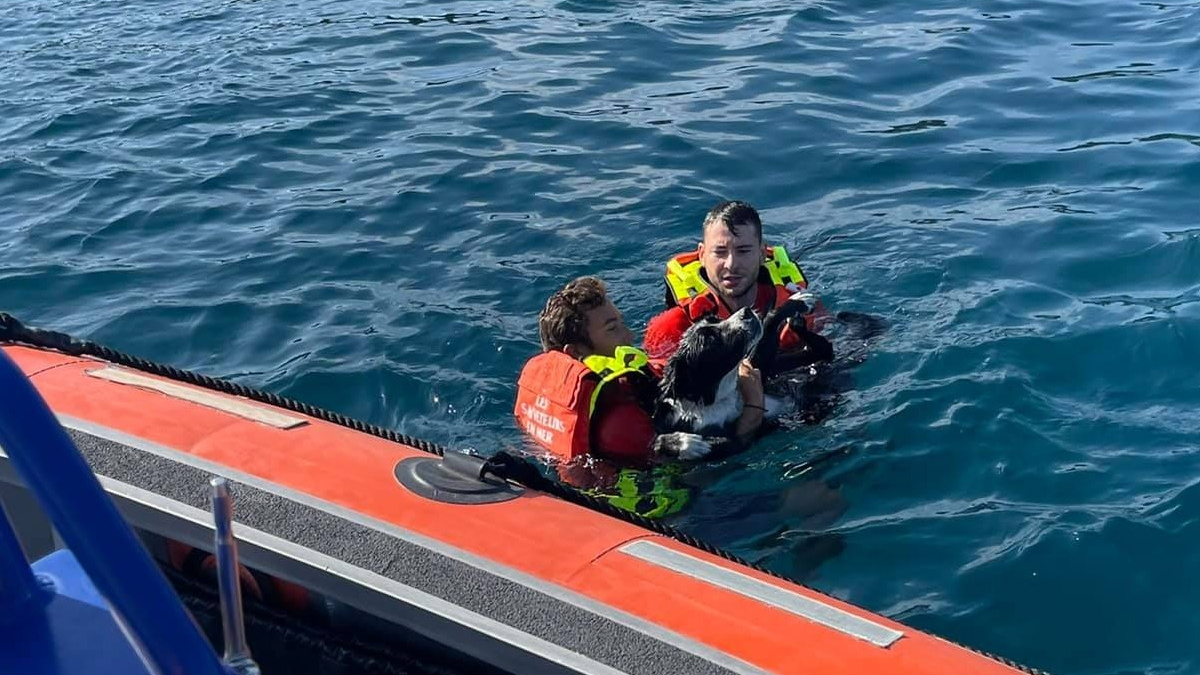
[699,400]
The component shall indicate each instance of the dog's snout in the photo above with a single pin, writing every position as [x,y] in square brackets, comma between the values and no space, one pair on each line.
[746,323]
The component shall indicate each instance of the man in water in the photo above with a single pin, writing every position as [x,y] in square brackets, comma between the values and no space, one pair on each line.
[731,269]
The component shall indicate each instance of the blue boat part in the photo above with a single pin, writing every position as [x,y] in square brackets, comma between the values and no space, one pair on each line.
[65,631]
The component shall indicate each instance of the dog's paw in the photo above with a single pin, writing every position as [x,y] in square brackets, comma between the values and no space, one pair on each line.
[800,303]
[808,298]
[681,445]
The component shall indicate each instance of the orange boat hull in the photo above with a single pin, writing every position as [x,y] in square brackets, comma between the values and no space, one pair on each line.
[703,603]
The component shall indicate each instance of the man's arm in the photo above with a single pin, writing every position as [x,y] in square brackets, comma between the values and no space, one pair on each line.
[753,401]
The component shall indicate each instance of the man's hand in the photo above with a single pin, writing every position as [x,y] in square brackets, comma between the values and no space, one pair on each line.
[750,383]
[751,387]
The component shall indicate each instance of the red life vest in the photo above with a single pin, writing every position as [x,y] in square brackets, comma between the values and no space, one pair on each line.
[556,396]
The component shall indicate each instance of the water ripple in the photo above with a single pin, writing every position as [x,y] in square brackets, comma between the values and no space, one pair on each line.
[364,206]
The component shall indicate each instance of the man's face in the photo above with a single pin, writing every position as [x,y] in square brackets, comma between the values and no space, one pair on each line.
[731,262]
[607,330]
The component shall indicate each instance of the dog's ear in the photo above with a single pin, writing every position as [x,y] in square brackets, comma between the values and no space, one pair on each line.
[766,349]
[768,345]
[683,375]
[675,378]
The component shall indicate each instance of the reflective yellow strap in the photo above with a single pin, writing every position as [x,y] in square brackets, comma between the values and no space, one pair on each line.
[631,358]
[624,360]
[684,280]
[651,494]
[781,269]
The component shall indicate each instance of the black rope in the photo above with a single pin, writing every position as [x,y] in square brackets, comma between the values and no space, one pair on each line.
[12,330]
[502,464]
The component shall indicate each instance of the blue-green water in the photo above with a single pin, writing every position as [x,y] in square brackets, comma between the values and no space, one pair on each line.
[363,206]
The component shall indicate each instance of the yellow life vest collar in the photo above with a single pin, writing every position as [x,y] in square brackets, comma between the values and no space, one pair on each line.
[686,281]
[625,360]
[782,270]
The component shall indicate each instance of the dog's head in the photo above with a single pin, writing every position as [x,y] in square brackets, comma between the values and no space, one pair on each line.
[706,361]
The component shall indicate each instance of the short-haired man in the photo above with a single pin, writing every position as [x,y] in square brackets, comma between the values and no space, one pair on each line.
[731,269]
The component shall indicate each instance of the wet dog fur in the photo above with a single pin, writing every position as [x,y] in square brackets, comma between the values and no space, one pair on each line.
[699,400]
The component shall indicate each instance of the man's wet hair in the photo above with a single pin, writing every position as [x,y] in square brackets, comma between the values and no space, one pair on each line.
[734,215]
[563,320]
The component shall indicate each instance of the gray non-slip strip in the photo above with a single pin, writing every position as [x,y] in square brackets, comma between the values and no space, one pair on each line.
[812,609]
[440,617]
[497,598]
